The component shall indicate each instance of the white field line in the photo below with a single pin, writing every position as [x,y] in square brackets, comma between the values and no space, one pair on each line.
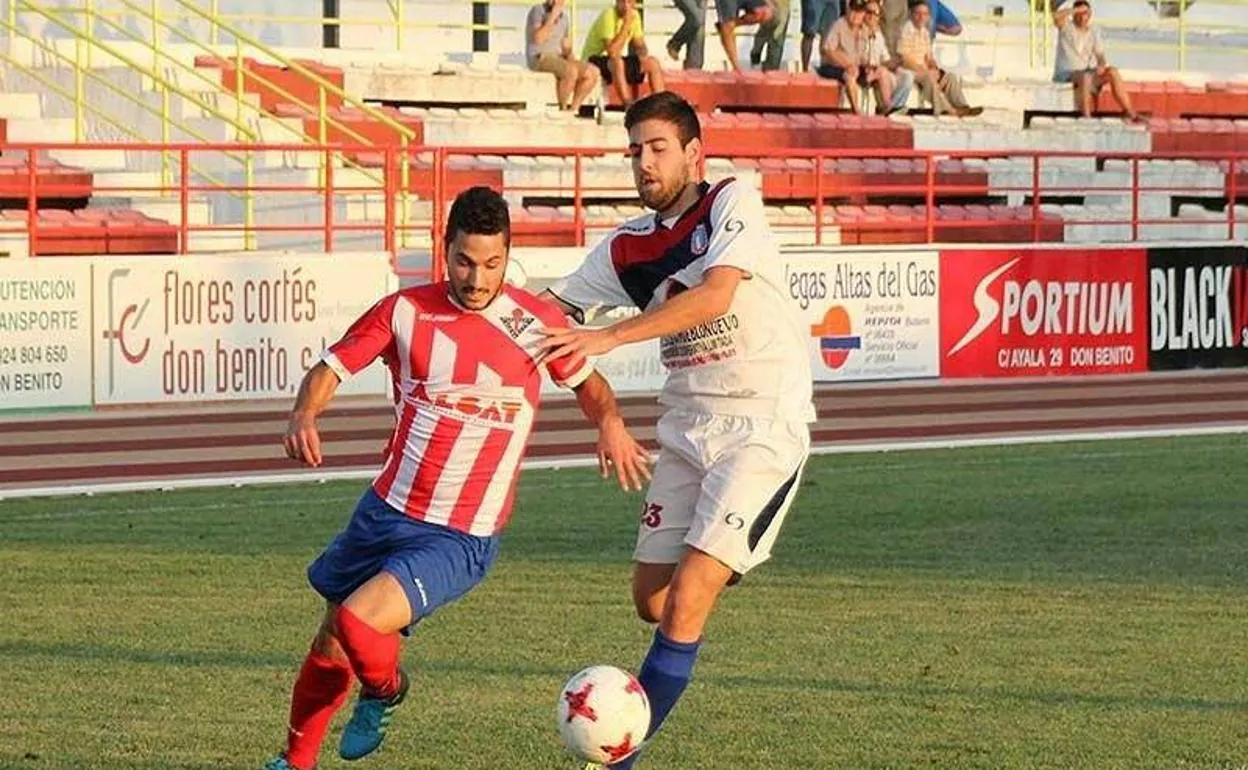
[364,474]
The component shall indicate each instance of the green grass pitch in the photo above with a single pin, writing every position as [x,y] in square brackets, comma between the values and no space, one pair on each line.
[1079,605]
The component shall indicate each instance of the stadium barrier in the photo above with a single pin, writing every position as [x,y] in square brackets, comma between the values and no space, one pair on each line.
[302,198]
[107,331]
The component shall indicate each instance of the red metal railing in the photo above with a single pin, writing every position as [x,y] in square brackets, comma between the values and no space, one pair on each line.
[889,196]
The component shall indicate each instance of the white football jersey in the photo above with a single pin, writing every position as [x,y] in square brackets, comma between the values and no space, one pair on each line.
[753,360]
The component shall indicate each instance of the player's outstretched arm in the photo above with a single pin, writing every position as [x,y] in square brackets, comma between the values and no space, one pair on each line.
[616,446]
[703,303]
[302,440]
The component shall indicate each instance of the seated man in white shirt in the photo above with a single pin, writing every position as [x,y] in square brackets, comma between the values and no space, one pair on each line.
[1081,61]
[943,89]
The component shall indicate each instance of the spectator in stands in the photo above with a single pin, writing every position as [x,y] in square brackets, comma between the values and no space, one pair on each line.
[944,20]
[941,21]
[736,13]
[942,89]
[818,16]
[896,14]
[892,82]
[1081,61]
[616,45]
[548,48]
[841,52]
[768,50]
[692,34]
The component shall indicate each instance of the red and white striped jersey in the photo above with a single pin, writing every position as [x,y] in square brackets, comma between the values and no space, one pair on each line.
[467,387]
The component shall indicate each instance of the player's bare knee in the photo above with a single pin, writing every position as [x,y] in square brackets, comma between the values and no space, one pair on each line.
[649,607]
[325,643]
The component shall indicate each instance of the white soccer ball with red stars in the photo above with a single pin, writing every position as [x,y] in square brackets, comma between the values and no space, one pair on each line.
[604,714]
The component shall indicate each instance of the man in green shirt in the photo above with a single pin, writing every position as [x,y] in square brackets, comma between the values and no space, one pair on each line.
[616,45]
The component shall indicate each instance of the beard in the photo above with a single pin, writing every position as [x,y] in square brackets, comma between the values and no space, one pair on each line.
[662,197]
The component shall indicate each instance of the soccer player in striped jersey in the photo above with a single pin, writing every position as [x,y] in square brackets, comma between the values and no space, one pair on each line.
[464,360]
[708,280]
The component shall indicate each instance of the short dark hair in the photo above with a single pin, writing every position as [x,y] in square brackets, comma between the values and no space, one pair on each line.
[916,3]
[478,211]
[668,107]
[1078,3]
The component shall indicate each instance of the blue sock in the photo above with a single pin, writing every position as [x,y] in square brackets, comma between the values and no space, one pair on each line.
[665,674]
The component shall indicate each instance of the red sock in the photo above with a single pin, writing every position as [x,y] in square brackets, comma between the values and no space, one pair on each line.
[320,690]
[374,655]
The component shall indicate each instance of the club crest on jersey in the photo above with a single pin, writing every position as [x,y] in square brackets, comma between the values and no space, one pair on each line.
[699,241]
[516,323]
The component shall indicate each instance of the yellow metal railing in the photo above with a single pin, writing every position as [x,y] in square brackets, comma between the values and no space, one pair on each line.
[82,106]
[165,86]
[325,88]
[165,23]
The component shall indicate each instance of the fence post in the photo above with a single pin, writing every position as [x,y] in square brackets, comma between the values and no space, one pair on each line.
[1182,35]
[249,201]
[1231,192]
[32,201]
[184,198]
[929,217]
[578,201]
[1035,198]
[328,191]
[80,90]
[404,183]
[1135,198]
[819,158]
[480,37]
[398,24]
[330,27]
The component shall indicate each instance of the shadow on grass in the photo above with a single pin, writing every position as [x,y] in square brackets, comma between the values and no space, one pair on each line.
[12,651]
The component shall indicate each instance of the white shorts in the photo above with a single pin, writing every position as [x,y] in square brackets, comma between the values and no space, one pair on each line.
[722,485]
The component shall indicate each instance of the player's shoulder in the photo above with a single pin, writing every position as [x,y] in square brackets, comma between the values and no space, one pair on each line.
[428,301]
[730,193]
[544,310]
[642,225]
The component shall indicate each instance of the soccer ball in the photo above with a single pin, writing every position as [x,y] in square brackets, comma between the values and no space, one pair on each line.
[604,714]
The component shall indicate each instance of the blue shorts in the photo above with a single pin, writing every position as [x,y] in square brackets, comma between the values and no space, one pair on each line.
[818,16]
[1068,76]
[435,564]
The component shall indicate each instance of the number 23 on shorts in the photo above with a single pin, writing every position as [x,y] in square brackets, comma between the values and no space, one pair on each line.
[651,514]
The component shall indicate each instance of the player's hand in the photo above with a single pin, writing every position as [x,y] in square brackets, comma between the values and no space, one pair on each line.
[560,343]
[617,448]
[303,440]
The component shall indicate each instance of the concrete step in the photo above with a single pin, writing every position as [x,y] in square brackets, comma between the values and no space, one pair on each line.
[168,208]
[17,106]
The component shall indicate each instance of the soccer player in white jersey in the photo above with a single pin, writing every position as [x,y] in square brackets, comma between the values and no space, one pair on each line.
[707,276]
[463,358]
